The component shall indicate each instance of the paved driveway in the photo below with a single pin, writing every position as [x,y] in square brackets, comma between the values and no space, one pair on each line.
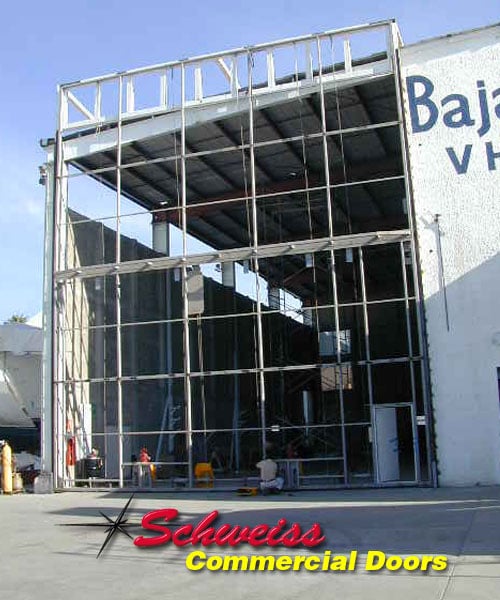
[50,543]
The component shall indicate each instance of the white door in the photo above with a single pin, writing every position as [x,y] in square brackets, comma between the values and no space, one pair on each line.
[387,446]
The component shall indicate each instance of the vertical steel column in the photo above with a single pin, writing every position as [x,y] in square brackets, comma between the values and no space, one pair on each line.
[185,298]
[325,140]
[332,255]
[260,340]
[369,366]
[47,416]
[161,243]
[394,40]
[59,298]
[339,362]
[416,448]
[60,389]
[119,369]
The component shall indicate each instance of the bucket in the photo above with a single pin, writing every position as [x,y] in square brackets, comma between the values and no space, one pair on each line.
[17,483]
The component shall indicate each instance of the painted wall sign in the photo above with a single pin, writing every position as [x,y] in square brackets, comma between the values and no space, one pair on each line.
[455,111]
[451,90]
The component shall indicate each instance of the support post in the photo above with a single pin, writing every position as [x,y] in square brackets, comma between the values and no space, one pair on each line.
[161,244]
[47,417]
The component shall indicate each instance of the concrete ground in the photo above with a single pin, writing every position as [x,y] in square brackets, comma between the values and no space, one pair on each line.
[46,553]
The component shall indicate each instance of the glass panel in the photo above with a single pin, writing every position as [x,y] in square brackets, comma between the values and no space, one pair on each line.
[356,395]
[144,295]
[165,146]
[216,174]
[225,401]
[391,383]
[352,333]
[231,454]
[359,454]
[302,397]
[379,95]
[287,341]
[135,227]
[300,280]
[371,158]
[419,392]
[414,328]
[87,197]
[348,275]
[298,117]
[220,225]
[152,349]
[89,242]
[388,330]
[168,453]
[375,206]
[383,274]
[153,405]
[292,217]
[150,296]
[409,269]
[229,288]
[88,302]
[92,354]
[311,456]
[307,443]
[223,344]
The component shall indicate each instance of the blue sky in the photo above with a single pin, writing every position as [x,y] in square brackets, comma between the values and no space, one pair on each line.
[43,44]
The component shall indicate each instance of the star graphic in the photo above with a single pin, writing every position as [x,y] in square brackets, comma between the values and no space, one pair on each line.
[116,525]
[112,526]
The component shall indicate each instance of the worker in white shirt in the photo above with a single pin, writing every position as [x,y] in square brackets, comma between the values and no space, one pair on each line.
[269,479]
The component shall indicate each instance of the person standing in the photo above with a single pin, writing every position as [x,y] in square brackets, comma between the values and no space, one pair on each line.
[144,468]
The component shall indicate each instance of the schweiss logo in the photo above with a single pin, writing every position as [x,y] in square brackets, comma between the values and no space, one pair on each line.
[206,533]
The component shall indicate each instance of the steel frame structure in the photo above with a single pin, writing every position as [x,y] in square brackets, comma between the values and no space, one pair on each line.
[176,110]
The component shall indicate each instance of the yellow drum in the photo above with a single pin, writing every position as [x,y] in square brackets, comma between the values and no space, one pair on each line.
[6,469]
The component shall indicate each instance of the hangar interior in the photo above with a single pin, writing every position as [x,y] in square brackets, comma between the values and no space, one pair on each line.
[234,269]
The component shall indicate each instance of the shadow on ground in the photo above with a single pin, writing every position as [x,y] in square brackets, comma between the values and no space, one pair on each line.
[395,521]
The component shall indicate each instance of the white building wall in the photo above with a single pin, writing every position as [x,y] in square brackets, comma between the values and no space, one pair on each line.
[25,373]
[454,172]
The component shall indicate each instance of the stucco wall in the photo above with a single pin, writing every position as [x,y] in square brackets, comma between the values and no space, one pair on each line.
[454,173]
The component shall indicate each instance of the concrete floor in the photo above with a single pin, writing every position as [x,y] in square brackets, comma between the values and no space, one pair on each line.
[44,560]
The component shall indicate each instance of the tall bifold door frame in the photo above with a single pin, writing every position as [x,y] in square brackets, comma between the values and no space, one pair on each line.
[395,429]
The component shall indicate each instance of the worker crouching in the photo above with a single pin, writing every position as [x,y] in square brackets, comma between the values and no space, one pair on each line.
[270,481]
